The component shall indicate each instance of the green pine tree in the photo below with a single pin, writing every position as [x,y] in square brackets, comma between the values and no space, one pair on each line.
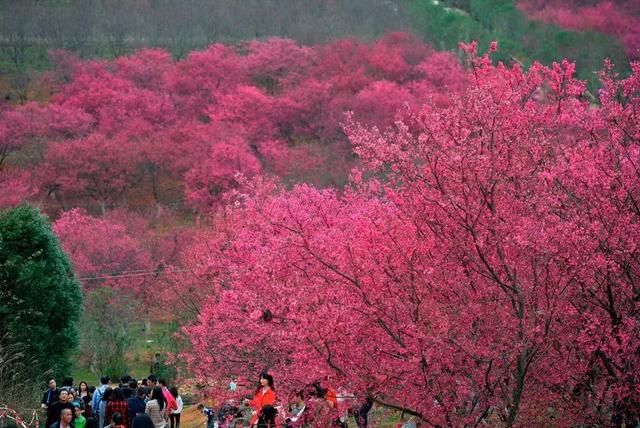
[40,297]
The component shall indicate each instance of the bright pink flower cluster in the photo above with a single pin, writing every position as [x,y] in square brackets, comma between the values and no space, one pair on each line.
[481,265]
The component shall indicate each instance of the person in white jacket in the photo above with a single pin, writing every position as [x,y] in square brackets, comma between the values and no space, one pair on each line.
[174,416]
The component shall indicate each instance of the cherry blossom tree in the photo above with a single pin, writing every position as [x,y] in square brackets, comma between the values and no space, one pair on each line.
[135,130]
[480,267]
[197,80]
[618,18]
[16,187]
[276,64]
[16,127]
[102,249]
[147,68]
[97,168]
[206,183]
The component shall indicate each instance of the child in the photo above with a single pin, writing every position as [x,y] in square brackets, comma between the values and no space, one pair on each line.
[116,421]
[210,414]
[79,420]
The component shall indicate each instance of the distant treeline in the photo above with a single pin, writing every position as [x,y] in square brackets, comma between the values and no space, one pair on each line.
[109,28]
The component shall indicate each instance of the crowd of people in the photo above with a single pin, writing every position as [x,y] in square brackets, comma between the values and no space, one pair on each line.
[150,403]
[144,403]
[317,405]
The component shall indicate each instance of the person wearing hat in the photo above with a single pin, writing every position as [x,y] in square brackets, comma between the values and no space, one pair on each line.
[79,421]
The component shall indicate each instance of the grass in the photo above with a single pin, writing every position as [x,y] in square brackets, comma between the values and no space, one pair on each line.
[139,356]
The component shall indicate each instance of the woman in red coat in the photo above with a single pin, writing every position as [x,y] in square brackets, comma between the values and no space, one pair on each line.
[265,396]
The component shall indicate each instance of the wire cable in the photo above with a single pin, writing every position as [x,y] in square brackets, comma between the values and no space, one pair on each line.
[132,274]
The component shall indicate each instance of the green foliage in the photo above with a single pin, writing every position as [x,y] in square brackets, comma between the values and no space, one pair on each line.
[166,339]
[165,371]
[40,298]
[107,332]
[448,22]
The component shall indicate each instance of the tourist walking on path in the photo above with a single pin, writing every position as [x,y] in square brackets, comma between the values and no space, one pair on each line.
[174,415]
[106,396]
[142,421]
[156,408]
[170,400]
[79,421]
[50,396]
[56,408]
[66,416]
[97,397]
[136,404]
[117,404]
[116,421]
[84,398]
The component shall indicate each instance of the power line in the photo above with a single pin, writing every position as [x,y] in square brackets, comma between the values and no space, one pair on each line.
[129,271]
[132,274]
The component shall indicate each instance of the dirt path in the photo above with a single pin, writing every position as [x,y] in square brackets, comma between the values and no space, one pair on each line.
[192,418]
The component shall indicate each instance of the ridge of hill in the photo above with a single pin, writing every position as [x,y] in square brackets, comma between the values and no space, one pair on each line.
[108,29]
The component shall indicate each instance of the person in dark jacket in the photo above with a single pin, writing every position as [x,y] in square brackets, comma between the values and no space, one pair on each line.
[54,410]
[142,421]
[361,413]
[50,396]
[131,391]
[137,404]
[66,419]
[125,387]
[84,398]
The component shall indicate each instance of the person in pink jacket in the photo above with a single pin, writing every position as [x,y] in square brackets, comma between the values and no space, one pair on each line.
[172,404]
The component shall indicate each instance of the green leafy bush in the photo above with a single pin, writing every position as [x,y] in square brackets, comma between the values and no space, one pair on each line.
[40,297]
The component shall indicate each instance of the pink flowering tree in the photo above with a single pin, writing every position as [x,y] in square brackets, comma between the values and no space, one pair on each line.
[132,132]
[618,18]
[103,251]
[482,266]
